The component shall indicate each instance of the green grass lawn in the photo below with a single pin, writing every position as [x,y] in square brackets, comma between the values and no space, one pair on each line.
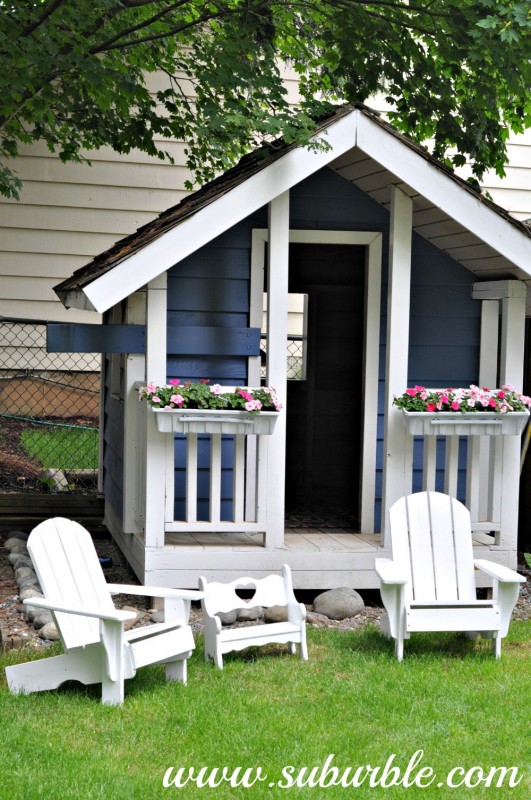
[351,703]
[63,448]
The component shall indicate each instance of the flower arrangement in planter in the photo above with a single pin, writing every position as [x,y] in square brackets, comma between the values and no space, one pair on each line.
[471,411]
[198,407]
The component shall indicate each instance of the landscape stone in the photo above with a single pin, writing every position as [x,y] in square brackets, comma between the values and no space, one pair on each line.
[13,542]
[42,618]
[18,560]
[276,614]
[250,614]
[228,617]
[28,580]
[23,572]
[49,632]
[29,592]
[339,603]
[157,616]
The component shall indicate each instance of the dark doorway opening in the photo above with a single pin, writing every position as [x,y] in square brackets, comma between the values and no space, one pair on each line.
[324,410]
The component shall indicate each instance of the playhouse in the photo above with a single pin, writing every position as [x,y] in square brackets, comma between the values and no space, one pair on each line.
[402,274]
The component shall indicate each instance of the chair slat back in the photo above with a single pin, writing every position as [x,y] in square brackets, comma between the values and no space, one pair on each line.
[69,570]
[222,597]
[432,542]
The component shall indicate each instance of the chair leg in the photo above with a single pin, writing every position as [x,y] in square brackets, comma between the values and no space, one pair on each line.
[399,648]
[496,645]
[112,692]
[178,670]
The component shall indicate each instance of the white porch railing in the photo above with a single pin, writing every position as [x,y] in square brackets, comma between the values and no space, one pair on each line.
[248,464]
[480,460]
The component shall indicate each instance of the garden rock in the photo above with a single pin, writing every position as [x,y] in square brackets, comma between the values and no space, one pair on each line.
[41,618]
[157,616]
[28,592]
[23,572]
[250,614]
[50,632]
[16,537]
[28,580]
[276,614]
[339,603]
[18,560]
[228,617]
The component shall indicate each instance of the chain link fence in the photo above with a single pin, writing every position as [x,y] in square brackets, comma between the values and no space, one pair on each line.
[49,413]
[295,354]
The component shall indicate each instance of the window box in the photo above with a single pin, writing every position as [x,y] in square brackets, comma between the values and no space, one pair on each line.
[193,420]
[475,423]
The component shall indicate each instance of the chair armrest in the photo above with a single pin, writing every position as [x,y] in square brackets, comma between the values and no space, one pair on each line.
[59,605]
[498,572]
[389,572]
[155,591]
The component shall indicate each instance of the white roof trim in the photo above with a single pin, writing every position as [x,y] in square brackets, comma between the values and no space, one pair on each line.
[429,181]
[354,129]
[217,217]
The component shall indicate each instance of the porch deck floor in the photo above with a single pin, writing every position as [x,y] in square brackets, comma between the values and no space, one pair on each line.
[306,539]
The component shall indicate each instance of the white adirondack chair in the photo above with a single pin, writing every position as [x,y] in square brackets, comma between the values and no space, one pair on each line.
[429,585]
[97,648]
[270,591]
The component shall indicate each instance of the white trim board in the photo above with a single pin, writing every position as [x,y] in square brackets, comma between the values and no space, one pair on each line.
[220,215]
[457,202]
[226,210]
[373,242]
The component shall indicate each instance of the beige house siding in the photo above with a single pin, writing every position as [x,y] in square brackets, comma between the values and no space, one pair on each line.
[68,213]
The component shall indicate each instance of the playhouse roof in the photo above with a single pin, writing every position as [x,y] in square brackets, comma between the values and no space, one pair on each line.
[363,149]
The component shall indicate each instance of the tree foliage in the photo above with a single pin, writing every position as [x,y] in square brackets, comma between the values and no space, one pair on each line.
[76,74]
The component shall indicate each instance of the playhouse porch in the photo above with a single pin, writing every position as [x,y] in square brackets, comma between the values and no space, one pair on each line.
[320,558]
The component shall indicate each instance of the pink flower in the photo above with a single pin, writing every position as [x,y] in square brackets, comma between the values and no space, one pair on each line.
[492,402]
[175,382]
[151,387]
[177,399]
[454,406]
[253,405]
[445,399]
[245,395]
[155,399]
[471,402]
[216,389]
[411,392]
[430,407]
[501,394]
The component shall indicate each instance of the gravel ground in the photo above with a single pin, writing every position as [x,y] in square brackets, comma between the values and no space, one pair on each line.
[17,632]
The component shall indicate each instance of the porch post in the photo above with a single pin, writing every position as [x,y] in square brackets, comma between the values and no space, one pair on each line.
[156,335]
[135,368]
[398,445]
[277,327]
[479,480]
[505,450]
[511,371]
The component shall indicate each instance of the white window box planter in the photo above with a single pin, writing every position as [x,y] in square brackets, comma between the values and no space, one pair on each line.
[193,420]
[476,423]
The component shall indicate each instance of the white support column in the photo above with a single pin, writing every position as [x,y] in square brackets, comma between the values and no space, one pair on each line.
[156,334]
[511,371]
[505,451]
[135,372]
[277,326]
[398,444]
[479,490]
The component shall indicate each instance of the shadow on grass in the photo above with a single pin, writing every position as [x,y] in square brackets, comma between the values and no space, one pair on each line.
[370,642]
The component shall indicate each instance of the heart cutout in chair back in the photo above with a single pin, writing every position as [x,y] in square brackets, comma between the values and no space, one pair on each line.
[246,593]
